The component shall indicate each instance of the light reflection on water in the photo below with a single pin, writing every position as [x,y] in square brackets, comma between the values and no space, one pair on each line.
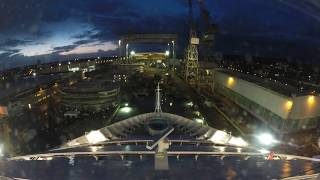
[230,174]
[308,168]
[286,169]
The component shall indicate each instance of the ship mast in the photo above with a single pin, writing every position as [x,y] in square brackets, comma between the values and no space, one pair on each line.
[158,100]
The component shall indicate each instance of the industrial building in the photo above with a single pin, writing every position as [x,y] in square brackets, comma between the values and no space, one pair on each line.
[280,106]
[93,95]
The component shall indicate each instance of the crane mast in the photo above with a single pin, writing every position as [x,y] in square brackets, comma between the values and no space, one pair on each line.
[207,38]
[191,54]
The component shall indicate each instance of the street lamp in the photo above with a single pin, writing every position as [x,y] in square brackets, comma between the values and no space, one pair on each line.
[119,43]
[127,51]
[167,53]
[173,55]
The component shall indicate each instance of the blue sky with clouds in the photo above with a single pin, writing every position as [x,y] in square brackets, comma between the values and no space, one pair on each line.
[49,30]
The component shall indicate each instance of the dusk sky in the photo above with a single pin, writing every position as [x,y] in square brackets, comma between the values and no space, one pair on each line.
[51,30]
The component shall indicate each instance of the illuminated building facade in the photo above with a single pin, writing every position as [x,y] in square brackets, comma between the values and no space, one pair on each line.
[278,110]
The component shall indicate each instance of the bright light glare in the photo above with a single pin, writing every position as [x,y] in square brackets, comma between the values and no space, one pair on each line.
[34,74]
[125,109]
[167,53]
[311,100]
[74,69]
[222,149]
[132,53]
[95,137]
[48,158]
[219,137]
[95,148]
[190,104]
[266,139]
[230,80]
[264,151]
[45,158]
[198,120]
[126,104]
[238,141]
[289,105]
[239,150]
[73,143]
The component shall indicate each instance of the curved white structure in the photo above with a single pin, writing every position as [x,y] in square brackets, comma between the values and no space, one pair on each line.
[124,129]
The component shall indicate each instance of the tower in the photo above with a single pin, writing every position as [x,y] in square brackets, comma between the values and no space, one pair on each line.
[191,56]
[192,65]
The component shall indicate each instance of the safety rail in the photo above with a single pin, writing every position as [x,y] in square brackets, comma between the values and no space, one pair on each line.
[146,141]
[45,156]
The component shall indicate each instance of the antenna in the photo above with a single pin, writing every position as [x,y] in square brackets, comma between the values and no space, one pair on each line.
[158,100]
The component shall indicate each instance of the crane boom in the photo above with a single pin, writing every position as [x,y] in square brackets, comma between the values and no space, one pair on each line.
[205,14]
[191,23]
[209,26]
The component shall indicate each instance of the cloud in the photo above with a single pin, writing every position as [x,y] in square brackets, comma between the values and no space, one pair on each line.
[93,47]
[85,34]
[14,42]
[57,29]
[80,42]
[9,53]
[64,48]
